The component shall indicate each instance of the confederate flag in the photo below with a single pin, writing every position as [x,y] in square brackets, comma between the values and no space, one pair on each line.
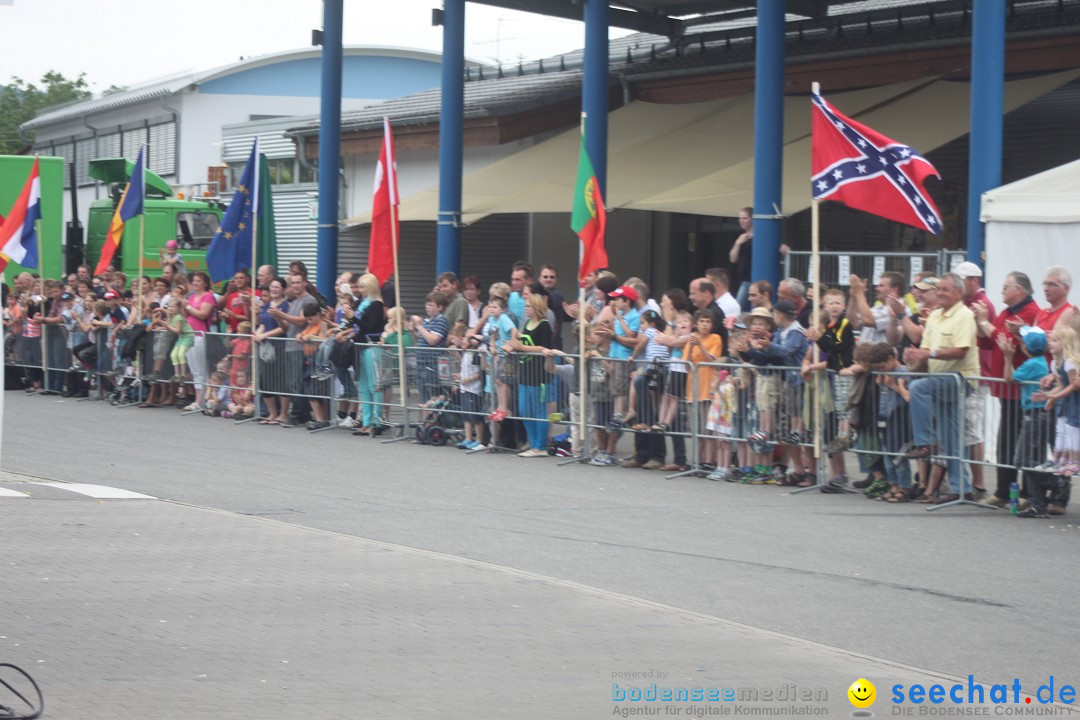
[867,171]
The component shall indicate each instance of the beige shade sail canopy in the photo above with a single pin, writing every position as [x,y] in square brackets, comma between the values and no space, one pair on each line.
[697,158]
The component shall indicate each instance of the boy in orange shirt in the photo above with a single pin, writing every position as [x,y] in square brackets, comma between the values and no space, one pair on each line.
[703,347]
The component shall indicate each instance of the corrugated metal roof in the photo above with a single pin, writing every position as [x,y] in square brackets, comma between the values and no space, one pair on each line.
[82,108]
[487,98]
[855,26]
[163,87]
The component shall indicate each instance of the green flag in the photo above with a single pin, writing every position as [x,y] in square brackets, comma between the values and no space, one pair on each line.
[266,242]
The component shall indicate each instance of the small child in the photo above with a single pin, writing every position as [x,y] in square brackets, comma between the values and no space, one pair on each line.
[1064,344]
[501,329]
[1037,426]
[766,391]
[704,347]
[675,384]
[893,419]
[185,338]
[835,343]
[241,400]
[743,381]
[240,351]
[163,340]
[720,421]
[626,321]
[217,394]
[470,388]
[599,389]
[649,372]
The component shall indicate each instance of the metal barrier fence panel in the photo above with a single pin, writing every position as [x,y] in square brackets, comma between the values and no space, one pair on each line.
[837,266]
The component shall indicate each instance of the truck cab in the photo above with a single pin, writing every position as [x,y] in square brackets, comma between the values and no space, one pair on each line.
[168,215]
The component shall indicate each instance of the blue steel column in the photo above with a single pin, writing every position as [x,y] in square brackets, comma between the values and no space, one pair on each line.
[594,88]
[987,108]
[768,140]
[451,138]
[329,148]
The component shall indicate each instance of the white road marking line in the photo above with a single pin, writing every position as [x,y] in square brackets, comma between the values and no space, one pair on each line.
[4,492]
[101,492]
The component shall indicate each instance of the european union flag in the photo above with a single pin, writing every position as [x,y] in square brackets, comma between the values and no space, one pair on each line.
[230,250]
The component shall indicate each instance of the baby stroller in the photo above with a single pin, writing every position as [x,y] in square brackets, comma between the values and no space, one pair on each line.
[441,422]
[126,384]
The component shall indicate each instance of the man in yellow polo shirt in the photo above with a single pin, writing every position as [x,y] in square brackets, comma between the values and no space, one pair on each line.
[950,352]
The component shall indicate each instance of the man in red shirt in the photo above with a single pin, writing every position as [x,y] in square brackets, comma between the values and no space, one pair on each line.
[1019,308]
[975,404]
[235,304]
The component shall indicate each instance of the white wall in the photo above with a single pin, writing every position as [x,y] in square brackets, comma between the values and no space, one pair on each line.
[1030,248]
[201,118]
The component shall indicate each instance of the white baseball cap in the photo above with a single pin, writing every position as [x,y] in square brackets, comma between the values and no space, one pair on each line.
[968,269]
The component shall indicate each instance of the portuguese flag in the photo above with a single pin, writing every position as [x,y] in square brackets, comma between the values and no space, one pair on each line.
[589,217]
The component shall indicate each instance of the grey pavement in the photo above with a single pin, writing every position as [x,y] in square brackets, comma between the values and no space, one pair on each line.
[612,570]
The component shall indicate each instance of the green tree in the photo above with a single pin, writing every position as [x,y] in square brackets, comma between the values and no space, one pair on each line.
[20,101]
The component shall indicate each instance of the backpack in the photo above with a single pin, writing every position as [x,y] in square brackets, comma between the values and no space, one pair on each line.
[860,405]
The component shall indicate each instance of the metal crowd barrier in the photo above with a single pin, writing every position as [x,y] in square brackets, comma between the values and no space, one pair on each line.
[716,415]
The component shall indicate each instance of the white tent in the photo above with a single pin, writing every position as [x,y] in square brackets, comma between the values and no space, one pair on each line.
[1032,224]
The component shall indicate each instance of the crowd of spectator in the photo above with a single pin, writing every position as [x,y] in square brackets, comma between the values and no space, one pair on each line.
[903,377]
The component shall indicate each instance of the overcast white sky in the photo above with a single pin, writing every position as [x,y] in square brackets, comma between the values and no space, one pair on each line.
[123,42]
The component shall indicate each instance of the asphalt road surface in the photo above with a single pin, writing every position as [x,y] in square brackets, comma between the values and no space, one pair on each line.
[450,585]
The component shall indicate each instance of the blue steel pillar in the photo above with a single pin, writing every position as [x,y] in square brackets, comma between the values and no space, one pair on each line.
[451,138]
[768,140]
[594,88]
[987,108]
[329,149]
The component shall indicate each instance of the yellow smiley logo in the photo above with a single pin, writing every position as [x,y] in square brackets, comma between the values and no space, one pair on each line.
[862,693]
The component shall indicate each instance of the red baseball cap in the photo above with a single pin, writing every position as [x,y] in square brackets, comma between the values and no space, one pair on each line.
[624,291]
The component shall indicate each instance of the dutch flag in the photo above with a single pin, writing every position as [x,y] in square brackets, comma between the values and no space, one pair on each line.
[18,234]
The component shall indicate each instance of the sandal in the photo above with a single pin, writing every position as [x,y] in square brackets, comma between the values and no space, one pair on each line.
[925,500]
[899,496]
[193,407]
[920,453]
[806,480]
[660,428]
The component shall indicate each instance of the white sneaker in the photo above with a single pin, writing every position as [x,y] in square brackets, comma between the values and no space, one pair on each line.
[349,422]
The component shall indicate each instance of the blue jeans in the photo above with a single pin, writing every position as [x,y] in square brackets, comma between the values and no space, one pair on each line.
[531,405]
[743,296]
[937,418]
[371,399]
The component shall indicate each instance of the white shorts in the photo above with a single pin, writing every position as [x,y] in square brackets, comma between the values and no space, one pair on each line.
[1068,437]
[975,415]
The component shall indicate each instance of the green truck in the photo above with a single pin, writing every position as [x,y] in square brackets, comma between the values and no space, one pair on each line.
[167,216]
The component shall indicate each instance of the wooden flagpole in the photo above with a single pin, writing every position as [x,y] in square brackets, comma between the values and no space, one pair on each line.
[583,374]
[42,323]
[815,229]
[390,175]
[401,328]
[253,376]
[142,265]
